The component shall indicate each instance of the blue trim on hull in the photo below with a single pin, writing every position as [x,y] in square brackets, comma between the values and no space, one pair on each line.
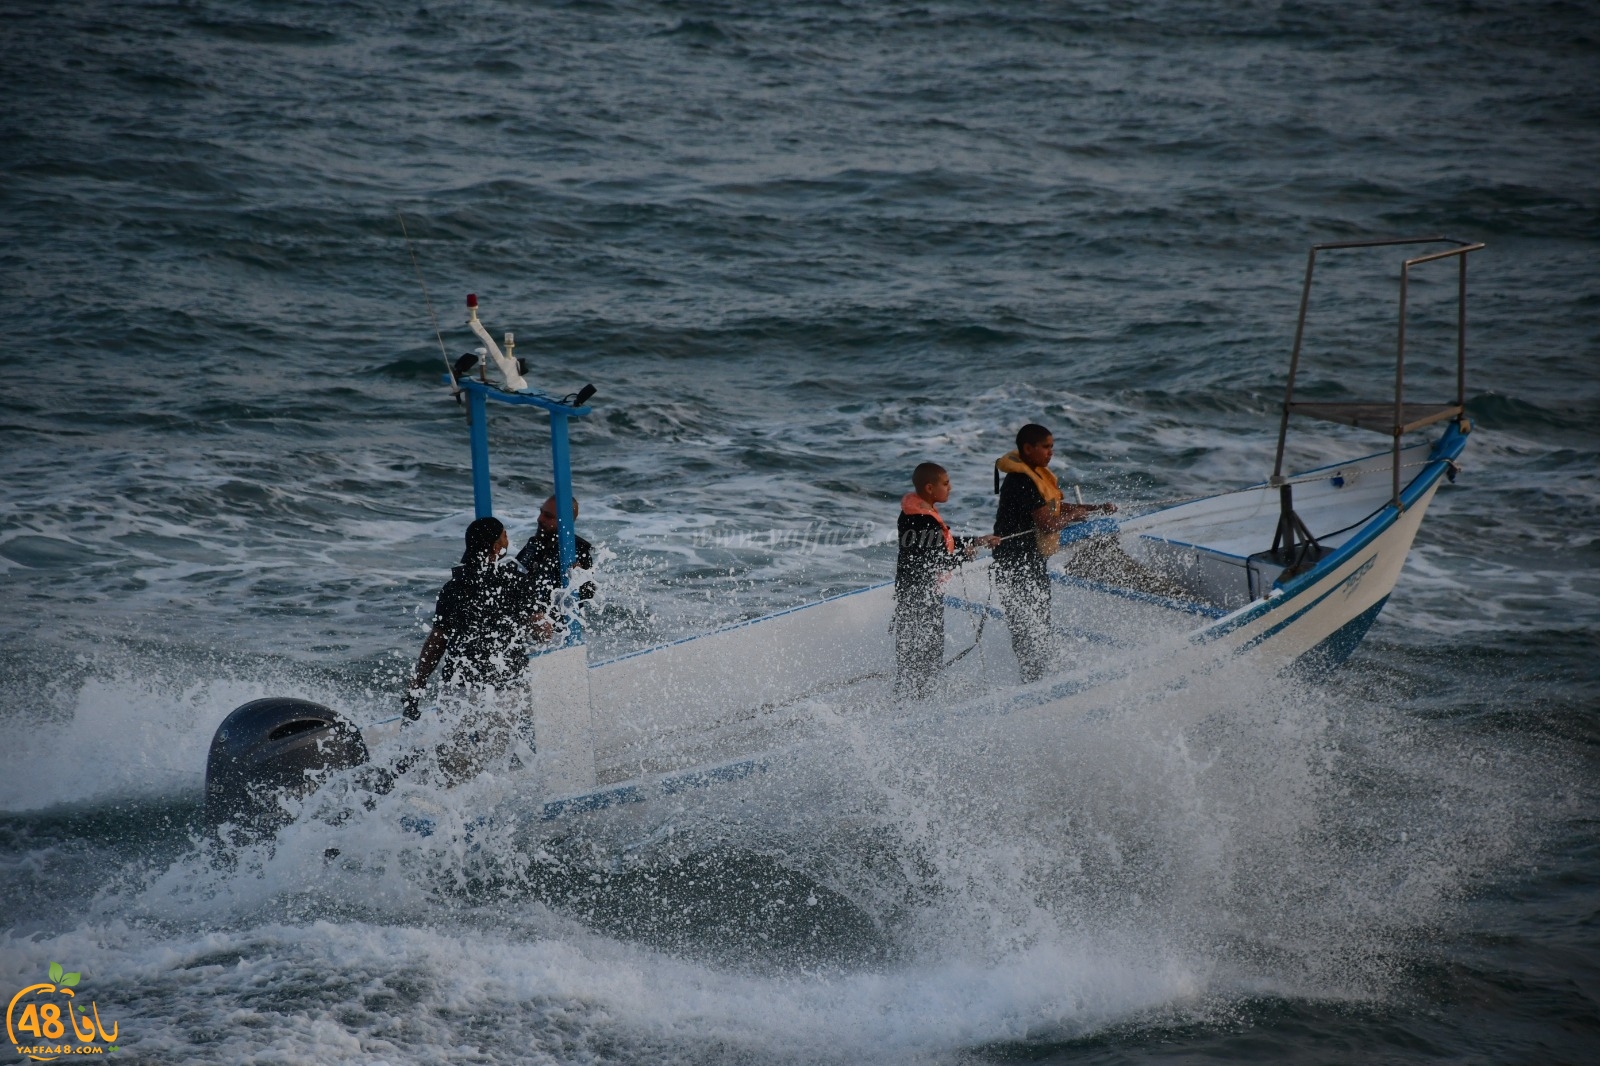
[1339,645]
[1443,453]
[593,801]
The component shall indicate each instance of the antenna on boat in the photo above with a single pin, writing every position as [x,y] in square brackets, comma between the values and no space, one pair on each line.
[448,366]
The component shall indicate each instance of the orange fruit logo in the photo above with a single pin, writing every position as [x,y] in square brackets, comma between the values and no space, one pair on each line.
[39,1017]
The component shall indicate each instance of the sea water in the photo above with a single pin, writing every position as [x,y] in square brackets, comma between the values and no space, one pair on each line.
[798,248]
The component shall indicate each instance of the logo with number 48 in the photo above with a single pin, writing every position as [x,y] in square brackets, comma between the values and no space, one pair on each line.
[45,1021]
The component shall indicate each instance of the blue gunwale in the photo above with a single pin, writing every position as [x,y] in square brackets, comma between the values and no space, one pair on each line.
[1445,450]
[1267,484]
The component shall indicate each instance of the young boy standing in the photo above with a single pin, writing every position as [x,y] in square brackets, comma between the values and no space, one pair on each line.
[928,552]
[1028,523]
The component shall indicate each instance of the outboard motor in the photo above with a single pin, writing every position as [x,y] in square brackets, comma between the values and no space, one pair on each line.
[273,748]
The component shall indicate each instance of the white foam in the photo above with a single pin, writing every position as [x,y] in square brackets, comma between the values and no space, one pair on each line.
[139,727]
[1160,859]
[357,992]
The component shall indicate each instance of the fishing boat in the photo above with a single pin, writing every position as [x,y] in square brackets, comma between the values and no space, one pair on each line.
[1290,571]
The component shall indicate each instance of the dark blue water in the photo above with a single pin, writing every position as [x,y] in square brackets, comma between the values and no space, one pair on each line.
[798,248]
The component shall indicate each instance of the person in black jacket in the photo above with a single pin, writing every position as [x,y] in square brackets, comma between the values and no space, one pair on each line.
[480,632]
[480,618]
[541,557]
[928,552]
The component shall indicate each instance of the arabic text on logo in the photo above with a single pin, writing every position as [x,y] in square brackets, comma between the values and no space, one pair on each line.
[39,1018]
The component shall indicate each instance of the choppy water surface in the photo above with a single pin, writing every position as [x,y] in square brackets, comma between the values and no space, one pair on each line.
[798,248]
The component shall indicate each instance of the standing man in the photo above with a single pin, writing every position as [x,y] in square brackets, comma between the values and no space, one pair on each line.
[479,633]
[479,618]
[1028,522]
[541,557]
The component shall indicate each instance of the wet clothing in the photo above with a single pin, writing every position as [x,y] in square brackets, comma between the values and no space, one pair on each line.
[1019,573]
[541,557]
[928,552]
[1024,590]
[481,612]
[1023,492]
[488,728]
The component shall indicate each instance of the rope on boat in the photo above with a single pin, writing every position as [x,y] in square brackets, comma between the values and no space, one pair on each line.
[449,368]
[983,616]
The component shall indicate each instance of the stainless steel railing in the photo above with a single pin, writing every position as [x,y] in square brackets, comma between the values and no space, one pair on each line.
[1400,417]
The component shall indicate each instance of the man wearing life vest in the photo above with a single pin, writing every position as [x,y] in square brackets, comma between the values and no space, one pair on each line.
[928,552]
[1028,523]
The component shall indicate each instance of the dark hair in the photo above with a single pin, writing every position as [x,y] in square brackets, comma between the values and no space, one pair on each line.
[1032,433]
[482,536]
[926,474]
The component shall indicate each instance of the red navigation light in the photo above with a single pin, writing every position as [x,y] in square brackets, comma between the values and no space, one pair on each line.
[472,299]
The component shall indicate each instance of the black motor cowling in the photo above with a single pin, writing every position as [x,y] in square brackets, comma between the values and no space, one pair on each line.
[273,748]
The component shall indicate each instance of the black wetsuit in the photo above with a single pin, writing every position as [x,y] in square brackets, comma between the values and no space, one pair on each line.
[1020,577]
[480,612]
[919,601]
[541,557]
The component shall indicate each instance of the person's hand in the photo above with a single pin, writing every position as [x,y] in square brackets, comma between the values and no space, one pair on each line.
[988,541]
[1109,508]
[970,551]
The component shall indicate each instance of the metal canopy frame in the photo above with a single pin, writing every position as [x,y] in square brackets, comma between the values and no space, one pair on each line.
[1400,417]
[478,394]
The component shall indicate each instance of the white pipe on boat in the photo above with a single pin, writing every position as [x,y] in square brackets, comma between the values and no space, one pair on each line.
[508,369]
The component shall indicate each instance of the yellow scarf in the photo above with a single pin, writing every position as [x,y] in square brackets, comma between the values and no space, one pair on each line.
[1045,481]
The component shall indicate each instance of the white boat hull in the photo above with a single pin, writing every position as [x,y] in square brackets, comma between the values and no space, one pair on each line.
[663,724]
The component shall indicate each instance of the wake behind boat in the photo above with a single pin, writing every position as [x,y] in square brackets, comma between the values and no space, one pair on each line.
[1292,570]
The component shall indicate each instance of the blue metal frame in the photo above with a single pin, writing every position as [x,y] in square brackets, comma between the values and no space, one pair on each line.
[478,397]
